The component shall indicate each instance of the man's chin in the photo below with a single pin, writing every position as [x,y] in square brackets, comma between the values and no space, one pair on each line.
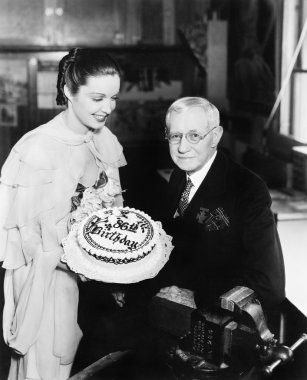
[187,168]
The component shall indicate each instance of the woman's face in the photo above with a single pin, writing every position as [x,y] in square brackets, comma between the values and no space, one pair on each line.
[94,102]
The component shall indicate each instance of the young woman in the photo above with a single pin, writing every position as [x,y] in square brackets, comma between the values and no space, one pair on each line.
[38,182]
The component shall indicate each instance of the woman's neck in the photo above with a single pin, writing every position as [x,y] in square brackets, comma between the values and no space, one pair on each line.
[73,123]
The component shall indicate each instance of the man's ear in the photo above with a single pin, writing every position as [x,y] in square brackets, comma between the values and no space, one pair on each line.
[217,135]
[67,92]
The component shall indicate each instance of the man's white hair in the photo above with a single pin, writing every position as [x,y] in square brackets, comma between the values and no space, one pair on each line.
[188,102]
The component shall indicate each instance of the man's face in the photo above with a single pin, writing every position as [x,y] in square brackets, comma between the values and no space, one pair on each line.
[187,156]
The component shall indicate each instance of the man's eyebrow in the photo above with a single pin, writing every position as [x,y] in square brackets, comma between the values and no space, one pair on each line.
[190,130]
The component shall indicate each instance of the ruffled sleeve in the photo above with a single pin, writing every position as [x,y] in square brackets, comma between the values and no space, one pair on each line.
[29,242]
[111,151]
[24,200]
[112,156]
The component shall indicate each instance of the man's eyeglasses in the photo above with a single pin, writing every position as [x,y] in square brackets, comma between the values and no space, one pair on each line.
[191,137]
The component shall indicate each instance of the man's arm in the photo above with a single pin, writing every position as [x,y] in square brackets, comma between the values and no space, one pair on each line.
[263,260]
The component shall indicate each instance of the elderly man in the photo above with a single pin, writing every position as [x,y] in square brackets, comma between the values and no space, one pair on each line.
[218,214]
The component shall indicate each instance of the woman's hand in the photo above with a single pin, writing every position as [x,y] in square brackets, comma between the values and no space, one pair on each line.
[119,297]
[83,278]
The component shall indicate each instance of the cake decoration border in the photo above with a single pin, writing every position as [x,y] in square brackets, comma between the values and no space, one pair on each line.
[132,272]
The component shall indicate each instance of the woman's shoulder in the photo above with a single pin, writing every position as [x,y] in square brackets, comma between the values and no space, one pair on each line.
[36,149]
[109,147]
[106,134]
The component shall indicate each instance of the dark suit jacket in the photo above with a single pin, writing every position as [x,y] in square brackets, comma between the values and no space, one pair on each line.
[227,236]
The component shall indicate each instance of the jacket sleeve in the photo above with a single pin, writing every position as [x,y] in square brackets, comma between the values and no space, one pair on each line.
[263,265]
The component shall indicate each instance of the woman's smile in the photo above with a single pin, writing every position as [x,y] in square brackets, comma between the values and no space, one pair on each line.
[101,118]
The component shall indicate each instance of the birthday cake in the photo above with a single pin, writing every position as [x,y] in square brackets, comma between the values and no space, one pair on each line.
[118,244]
[118,235]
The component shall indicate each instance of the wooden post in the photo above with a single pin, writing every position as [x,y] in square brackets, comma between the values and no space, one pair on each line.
[169,37]
[105,361]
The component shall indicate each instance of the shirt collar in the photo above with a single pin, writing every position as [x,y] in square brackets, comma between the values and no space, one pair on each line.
[198,177]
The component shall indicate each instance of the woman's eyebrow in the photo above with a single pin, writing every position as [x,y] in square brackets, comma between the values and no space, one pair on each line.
[102,94]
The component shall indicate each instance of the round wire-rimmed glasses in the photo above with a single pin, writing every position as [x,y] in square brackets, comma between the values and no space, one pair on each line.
[191,137]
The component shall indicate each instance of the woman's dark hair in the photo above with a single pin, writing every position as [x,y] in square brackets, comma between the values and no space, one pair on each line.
[78,65]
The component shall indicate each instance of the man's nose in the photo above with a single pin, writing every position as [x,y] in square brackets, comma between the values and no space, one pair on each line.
[183,145]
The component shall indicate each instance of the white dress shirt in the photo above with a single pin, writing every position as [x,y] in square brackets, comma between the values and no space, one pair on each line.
[197,178]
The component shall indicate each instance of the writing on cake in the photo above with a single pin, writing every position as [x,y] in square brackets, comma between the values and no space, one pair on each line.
[95,228]
[118,235]
[125,234]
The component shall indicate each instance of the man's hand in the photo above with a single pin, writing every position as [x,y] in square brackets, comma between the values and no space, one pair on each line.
[119,298]
[179,295]
[169,292]
[170,289]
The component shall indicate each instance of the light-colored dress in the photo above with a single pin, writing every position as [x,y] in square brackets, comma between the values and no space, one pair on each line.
[38,181]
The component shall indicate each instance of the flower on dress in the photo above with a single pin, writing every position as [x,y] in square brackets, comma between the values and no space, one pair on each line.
[94,198]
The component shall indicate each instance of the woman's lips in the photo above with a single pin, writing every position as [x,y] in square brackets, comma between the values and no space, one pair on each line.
[101,118]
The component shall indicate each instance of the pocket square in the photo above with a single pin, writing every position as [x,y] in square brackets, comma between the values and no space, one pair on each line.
[213,220]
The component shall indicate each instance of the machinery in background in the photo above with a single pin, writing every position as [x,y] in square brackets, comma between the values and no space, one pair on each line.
[229,341]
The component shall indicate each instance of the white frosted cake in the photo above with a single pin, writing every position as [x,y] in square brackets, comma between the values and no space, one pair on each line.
[118,235]
[119,244]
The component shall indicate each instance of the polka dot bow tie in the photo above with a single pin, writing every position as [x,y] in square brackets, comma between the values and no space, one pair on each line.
[184,200]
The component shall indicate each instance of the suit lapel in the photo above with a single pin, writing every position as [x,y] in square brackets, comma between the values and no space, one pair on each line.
[213,185]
